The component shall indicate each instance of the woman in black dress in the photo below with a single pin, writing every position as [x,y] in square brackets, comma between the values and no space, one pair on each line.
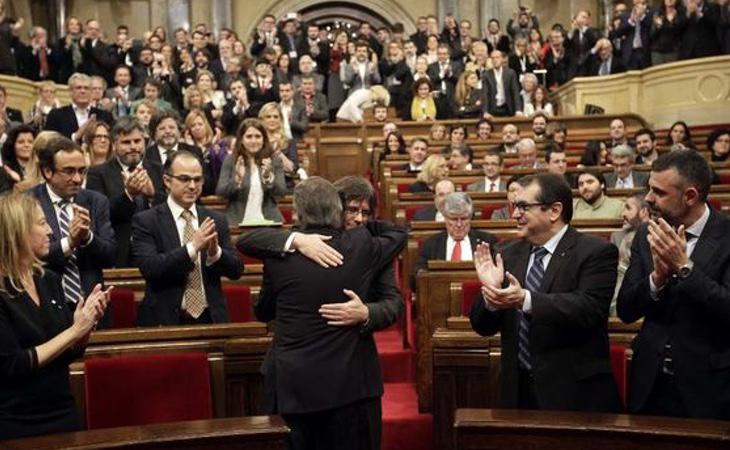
[39,334]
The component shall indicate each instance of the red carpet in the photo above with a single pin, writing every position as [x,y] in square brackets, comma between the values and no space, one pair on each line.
[403,427]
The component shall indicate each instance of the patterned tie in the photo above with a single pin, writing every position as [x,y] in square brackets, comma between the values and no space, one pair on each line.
[456,252]
[194,299]
[43,58]
[533,282]
[71,279]
[492,186]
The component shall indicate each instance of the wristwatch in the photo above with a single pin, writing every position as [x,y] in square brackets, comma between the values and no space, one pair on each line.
[685,270]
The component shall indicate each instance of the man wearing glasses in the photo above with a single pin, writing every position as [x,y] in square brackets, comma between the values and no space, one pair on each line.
[548,294]
[183,250]
[83,241]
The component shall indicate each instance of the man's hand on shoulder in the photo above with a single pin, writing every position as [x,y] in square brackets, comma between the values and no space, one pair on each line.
[352,312]
[315,247]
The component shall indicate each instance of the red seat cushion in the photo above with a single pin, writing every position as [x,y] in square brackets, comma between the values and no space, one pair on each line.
[287,214]
[715,204]
[469,292]
[620,369]
[403,187]
[146,389]
[238,301]
[123,308]
[411,211]
[249,259]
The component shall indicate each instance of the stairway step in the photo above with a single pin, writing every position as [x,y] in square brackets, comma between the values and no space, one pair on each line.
[403,427]
[397,364]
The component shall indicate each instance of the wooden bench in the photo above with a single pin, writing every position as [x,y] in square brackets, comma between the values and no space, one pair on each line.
[494,429]
[240,433]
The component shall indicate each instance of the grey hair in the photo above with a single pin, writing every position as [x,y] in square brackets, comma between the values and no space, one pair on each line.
[526,142]
[317,203]
[78,76]
[623,151]
[530,76]
[458,203]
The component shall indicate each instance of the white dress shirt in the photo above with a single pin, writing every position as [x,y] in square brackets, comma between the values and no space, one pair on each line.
[466,251]
[550,246]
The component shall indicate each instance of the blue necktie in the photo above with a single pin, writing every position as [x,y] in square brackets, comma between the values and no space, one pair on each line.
[71,279]
[533,282]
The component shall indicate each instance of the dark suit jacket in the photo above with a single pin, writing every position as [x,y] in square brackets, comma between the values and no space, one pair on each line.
[641,179]
[580,49]
[99,59]
[14,115]
[692,314]
[592,66]
[107,180]
[427,213]
[699,35]
[568,325]
[306,351]
[165,266]
[513,99]
[64,121]
[628,31]
[31,63]
[151,154]
[434,248]
[92,258]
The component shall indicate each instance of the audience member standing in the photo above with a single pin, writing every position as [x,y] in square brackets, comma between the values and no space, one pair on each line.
[677,282]
[73,120]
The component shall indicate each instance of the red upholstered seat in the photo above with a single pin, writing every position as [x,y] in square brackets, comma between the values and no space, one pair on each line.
[123,308]
[146,389]
[287,214]
[411,211]
[248,259]
[238,301]
[402,187]
[469,292]
[620,369]
[715,203]
[724,177]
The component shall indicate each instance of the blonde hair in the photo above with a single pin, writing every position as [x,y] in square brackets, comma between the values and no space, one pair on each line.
[208,138]
[277,138]
[33,175]
[189,93]
[18,213]
[428,170]
[201,73]
[44,84]
[462,88]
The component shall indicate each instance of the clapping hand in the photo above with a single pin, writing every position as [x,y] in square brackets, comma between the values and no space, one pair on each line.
[90,310]
[204,234]
[80,226]
[667,246]
[490,271]
[512,296]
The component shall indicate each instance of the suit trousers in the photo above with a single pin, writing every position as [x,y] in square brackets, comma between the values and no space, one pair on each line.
[664,399]
[356,426]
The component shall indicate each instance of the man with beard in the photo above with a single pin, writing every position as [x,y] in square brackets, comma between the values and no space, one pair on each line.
[593,202]
[510,137]
[636,212]
[679,283]
[646,146]
[548,293]
[329,414]
[539,126]
[130,184]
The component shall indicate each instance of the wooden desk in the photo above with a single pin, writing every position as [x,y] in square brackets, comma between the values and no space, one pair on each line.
[495,429]
[241,433]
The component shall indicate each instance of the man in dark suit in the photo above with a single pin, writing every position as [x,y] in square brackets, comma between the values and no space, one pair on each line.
[237,107]
[492,182]
[420,37]
[433,212]
[548,294]
[678,281]
[459,241]
[123,93]
[38,58]
[97,57]
[83,240]
[310,351]
[699,34]
[580,41]
[623,159]
[130,184]
[183,250]
[635,28]
[73,120]
[600,60]
[444,73]
[500,89]
[11,114]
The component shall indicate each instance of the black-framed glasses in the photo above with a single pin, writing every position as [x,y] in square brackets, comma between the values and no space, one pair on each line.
[354,210]
[186,179]
[71,171]
[523,207]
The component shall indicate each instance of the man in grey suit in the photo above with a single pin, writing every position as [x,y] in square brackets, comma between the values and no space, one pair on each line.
[313,103]
[623,158]
[361,73]
[492,182]
[500,89]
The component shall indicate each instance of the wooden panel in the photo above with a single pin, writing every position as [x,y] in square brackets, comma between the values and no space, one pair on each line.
[336,160]
[244,433]
[494,429]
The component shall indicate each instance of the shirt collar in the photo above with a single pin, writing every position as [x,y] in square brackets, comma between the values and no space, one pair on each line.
[553,242]
[696,228]
[177,210]
[55,198]
[78,109]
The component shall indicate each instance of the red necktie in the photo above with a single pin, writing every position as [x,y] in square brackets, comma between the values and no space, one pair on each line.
[44,62]
[456,252]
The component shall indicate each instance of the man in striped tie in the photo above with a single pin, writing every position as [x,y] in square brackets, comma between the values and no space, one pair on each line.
[549,293]
[83,241]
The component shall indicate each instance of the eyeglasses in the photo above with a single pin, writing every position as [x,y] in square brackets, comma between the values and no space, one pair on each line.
[185,179]
[71,171]
[523,207]
[354,210]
